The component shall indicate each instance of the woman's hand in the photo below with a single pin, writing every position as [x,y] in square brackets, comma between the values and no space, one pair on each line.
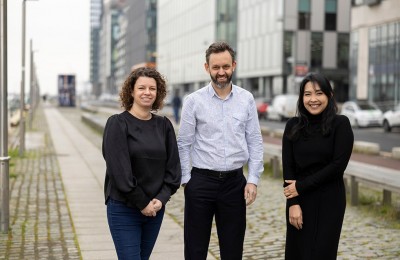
[296,216]
[290,191]
[149,210]
[157,204]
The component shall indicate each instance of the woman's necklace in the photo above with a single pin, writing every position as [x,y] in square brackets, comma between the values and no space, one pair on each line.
[141,116]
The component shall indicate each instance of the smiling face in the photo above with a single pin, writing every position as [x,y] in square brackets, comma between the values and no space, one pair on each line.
[144,92]
[314,99]
[220,67]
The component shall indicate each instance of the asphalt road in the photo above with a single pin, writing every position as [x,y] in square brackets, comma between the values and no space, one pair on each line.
[373,134]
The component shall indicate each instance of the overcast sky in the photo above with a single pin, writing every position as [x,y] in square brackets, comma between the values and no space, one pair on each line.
[60,31]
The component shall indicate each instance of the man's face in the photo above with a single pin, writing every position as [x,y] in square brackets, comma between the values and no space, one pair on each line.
[220,67]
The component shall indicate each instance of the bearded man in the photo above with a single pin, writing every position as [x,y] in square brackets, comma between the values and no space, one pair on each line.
[219,133]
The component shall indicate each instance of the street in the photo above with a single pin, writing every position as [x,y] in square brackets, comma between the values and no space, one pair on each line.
[373,134]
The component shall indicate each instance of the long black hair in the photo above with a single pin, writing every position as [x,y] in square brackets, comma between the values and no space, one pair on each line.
[327,115]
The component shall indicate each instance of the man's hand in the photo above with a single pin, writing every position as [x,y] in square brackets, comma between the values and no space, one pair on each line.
[296,216]
[250,193]
[290,191]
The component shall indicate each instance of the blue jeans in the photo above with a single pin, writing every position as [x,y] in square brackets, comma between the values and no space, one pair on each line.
[133,233]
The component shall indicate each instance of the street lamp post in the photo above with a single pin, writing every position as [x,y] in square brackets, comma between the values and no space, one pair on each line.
[32,91]
[22,97]
[4,158]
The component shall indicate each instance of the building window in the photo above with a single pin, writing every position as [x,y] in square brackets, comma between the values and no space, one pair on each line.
[288,52]
[316,49]
[227,21]
[343,50]
[353,66]
[330,15]
[304,14]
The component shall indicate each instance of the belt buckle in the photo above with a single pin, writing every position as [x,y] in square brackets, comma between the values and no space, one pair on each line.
[220,175]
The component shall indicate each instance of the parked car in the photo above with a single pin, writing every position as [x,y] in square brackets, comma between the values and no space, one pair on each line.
[362,113]
[391,119]
[282,107]
[262,107]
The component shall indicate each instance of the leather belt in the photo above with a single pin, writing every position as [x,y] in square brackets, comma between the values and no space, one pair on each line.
[218,174]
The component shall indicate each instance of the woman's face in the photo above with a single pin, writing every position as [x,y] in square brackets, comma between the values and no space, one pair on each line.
[144,92]
[314,100]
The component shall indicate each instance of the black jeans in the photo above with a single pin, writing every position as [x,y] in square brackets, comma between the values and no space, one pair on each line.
[206,196]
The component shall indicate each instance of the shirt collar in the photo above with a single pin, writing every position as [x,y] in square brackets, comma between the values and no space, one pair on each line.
[211,91]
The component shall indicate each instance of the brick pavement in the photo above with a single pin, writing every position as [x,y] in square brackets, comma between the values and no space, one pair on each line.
[40,222]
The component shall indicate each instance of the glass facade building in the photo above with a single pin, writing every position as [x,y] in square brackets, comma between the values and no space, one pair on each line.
[375,52]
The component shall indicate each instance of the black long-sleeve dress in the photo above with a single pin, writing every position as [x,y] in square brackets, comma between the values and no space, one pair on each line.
[142,160]
[317,163]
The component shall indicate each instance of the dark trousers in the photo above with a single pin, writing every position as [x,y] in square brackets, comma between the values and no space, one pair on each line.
[133,233]
[206,196]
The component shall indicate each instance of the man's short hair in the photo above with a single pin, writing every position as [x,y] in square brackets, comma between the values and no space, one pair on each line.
[218,47]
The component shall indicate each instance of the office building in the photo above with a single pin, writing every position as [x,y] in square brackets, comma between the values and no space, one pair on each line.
[277,42]
[375,52]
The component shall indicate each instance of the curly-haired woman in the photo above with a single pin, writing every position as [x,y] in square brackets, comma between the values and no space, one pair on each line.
[143,167]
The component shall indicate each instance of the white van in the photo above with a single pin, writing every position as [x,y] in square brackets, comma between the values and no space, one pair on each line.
[282,107]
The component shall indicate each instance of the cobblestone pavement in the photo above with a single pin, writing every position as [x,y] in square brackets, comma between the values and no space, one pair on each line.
[40,223]
[41,227]
[363,236]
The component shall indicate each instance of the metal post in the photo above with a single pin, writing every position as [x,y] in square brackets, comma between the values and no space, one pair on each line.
[22,98]
[31,89]
[4,158]
[294,54]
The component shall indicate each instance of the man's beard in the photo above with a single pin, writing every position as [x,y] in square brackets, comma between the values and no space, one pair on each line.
[221,85]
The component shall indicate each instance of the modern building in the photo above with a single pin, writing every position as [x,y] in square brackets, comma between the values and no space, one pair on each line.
[141,33]
[375,52]
[276,42]
[95,25]
[109,36]
[127,40]
[280,41]
[122,63]
[185,29]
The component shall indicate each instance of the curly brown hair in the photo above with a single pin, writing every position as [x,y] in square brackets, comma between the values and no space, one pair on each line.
[127,89]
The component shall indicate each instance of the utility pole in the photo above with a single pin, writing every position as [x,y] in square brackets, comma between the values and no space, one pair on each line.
[32,89]
[22,101]
[22,97]
[4,158]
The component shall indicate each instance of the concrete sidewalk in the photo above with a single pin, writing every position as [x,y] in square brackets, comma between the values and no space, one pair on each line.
[82,168]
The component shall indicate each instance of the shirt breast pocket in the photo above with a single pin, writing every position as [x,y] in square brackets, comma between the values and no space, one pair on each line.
[239,122]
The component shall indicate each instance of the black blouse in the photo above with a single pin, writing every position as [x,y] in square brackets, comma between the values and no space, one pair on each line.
[314,160]
[142,159]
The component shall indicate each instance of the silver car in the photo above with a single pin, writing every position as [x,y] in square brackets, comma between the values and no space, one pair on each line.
[282,107]
[391,119]
[362,113]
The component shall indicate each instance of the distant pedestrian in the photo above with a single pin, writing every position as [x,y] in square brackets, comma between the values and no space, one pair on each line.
[176,106]
[218,135]
[143,168]
[317,145]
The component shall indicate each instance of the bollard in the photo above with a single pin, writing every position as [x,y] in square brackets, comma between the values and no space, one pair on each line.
[275,167]
[354,191]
